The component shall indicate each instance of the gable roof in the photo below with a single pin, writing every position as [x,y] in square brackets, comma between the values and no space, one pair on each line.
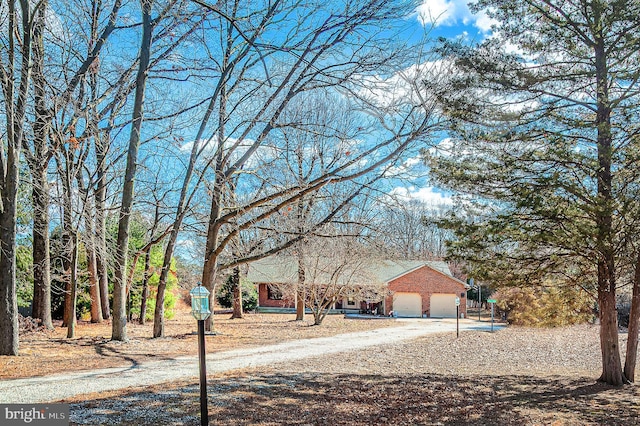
[273,269]
[284,269]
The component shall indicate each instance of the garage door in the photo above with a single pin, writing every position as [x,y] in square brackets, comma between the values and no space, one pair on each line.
[407,304]
[443,305]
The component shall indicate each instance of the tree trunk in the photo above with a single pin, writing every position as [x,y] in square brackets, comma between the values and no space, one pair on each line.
[68,235]
[209,279]
[158,314]
[66,267]
[100,229]
[300,306]
[18,38]
[41,257]
[209,269]
[73,287]
[300,217]
[145,288]
[8,296]
[119,324]
[129,304]
[237,294]
[320,313]
[94,286]
[90,247]
[38,162]
[300,296]
[609,343]
[634,326]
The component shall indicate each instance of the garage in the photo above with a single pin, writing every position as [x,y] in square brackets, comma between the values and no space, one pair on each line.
[407,305]
[443,305]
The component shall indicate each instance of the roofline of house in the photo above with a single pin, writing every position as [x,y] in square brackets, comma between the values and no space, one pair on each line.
[467,286]
[408,271]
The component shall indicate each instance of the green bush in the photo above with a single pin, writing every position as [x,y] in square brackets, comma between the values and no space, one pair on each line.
[544,307]
[24,276]
[224,294]
[170,299]
[171,294]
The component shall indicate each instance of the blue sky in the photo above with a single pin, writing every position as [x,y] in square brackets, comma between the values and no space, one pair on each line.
[441,18]
[453,18]
[450,19]
[446,18]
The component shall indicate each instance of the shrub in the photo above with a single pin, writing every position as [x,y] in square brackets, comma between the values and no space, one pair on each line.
[544,307]
[224,295]
[170,299]
[24,276]
[171,294]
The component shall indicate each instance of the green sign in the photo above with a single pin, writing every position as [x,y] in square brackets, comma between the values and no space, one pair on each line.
[491,300]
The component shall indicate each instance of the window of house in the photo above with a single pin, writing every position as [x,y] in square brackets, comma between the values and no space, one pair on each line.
[274,293]
[351,301]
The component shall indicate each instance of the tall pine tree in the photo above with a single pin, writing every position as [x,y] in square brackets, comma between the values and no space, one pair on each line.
[545,143]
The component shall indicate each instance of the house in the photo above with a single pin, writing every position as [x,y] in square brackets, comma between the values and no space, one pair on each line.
[414,288]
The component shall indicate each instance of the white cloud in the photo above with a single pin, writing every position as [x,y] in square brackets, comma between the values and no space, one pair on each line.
[405,86]
[450,13]
[439,12]
[209,147]
[407,167]
[483,22]
[427,195]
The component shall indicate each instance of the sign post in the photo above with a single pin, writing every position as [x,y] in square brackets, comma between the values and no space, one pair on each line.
[493,303]
[200,311]
[457,317]
[479,302]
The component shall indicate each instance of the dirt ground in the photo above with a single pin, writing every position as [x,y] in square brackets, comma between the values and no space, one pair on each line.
[253,398]
[516,376]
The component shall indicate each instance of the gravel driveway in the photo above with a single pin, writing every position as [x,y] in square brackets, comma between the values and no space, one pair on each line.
[57,387]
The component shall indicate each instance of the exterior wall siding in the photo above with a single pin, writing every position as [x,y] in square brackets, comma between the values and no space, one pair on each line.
[427,281]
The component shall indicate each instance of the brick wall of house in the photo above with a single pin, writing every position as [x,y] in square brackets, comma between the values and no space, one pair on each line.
[427,281]
[264,301]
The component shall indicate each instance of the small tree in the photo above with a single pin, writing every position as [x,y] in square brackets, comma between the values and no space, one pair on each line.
[224,295]
[143,284]
[336,267]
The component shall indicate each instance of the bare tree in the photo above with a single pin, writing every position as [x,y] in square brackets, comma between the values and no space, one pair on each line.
[51,98]
[335,267]
[119,324]
[68,163]
[407,230]
[16,79]
[313,59]
[145,66]
[38,161]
